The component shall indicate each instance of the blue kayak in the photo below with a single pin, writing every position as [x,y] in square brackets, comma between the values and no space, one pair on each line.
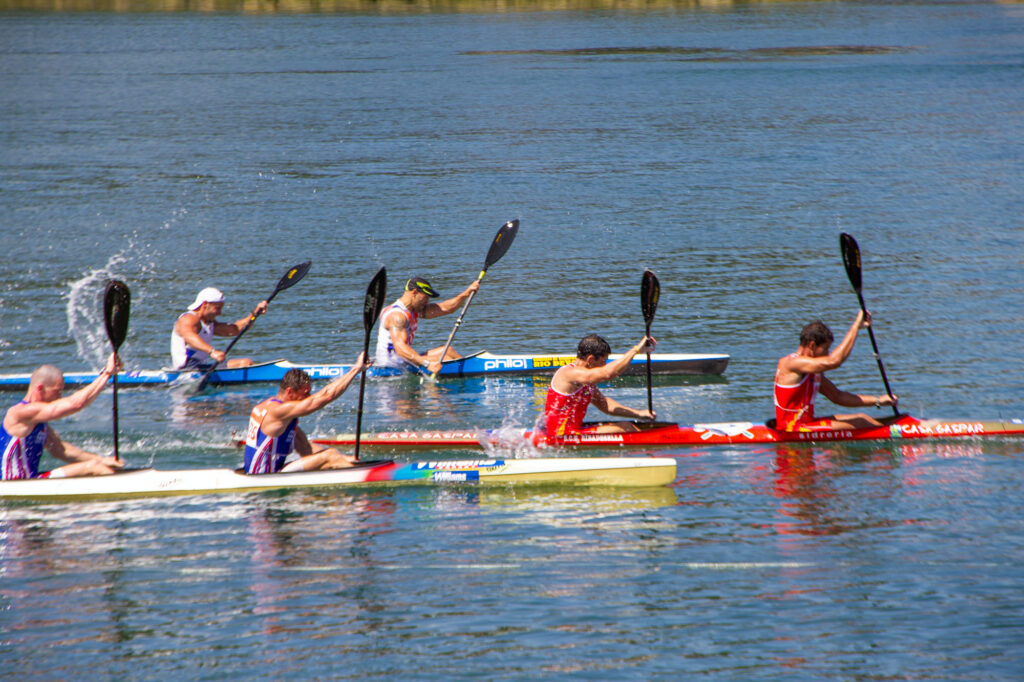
[478,364]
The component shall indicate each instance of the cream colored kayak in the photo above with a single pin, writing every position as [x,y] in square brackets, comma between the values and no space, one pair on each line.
[596,471]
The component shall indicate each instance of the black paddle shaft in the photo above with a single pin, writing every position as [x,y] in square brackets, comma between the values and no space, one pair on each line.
[650,292]
[851,261]
[502,240]
[117,300]
[290,279]
[372,306]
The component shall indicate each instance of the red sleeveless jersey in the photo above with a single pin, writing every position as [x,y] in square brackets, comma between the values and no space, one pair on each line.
[564,413]
[794,405]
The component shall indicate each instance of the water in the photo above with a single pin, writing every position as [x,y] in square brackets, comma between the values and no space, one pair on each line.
[724,148]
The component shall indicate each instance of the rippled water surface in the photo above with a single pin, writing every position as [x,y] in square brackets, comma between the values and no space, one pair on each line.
[725,149]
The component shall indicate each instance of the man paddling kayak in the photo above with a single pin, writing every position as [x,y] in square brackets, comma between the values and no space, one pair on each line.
[275,443]
[194,330]
[25,431]
[399,320]
[800,377]
[574,388]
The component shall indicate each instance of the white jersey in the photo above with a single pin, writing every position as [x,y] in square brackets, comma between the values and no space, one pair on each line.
[386,355]
[183,355]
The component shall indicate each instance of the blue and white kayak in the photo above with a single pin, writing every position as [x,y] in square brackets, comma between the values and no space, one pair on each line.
[478,364]
[566,471]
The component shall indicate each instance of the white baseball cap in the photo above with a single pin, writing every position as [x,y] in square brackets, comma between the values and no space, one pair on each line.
[207,295]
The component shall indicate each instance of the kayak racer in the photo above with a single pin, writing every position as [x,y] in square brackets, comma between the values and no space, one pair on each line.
[25,431]
[574,388]
[275,443]
[800,376]
[192,336]
[399,320]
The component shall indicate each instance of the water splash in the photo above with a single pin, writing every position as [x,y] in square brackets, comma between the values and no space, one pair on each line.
[84,306]
[85,311]
[507,441]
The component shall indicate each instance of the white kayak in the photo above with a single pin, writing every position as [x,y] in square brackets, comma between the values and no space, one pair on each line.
[576,471]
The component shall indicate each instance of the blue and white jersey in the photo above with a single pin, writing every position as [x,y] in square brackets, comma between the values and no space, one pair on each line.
[386,355]
[21,455]
[264,454]
[184,356]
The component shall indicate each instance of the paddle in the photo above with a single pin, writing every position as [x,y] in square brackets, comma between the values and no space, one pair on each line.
[650,291]
[851,260]
[372,305]
[499,246]
[117,301]
[290,279]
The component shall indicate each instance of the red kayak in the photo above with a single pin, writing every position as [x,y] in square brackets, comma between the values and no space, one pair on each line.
[903,427]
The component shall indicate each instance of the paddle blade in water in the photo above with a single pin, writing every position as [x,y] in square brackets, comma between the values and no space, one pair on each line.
[851,259]
[117,301]
[374,302]
[501,242]
[650,292]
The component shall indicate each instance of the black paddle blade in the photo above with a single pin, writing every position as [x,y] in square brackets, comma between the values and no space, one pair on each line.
[374,302]
[501,242]
[372,306]
[851,259]
[650,292]
[293,276]
[117,301]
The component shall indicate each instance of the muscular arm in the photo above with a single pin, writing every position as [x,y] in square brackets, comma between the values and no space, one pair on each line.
[278,416]
[615,408]
[187,328]
[65,451]
[452,304]
[21,419]
[74,455]
[397,325]
[571,377]
[792,369]
[236,327]
[845,399]
[302,445]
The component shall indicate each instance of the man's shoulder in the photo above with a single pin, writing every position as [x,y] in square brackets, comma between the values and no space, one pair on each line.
[24,407]
[395,319]
[788,360]
[568,377]
[22,414]
[10,414]
[267,404]
[562,371]
[187,317]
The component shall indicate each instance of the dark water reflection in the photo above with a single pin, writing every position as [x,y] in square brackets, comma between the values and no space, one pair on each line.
[708,54]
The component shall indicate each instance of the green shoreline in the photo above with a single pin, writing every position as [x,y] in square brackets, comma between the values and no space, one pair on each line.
[365,6]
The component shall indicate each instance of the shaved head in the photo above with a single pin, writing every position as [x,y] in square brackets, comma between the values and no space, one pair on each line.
[46,375]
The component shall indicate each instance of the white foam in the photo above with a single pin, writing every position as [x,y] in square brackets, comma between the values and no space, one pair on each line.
[507,442]
[85,307]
